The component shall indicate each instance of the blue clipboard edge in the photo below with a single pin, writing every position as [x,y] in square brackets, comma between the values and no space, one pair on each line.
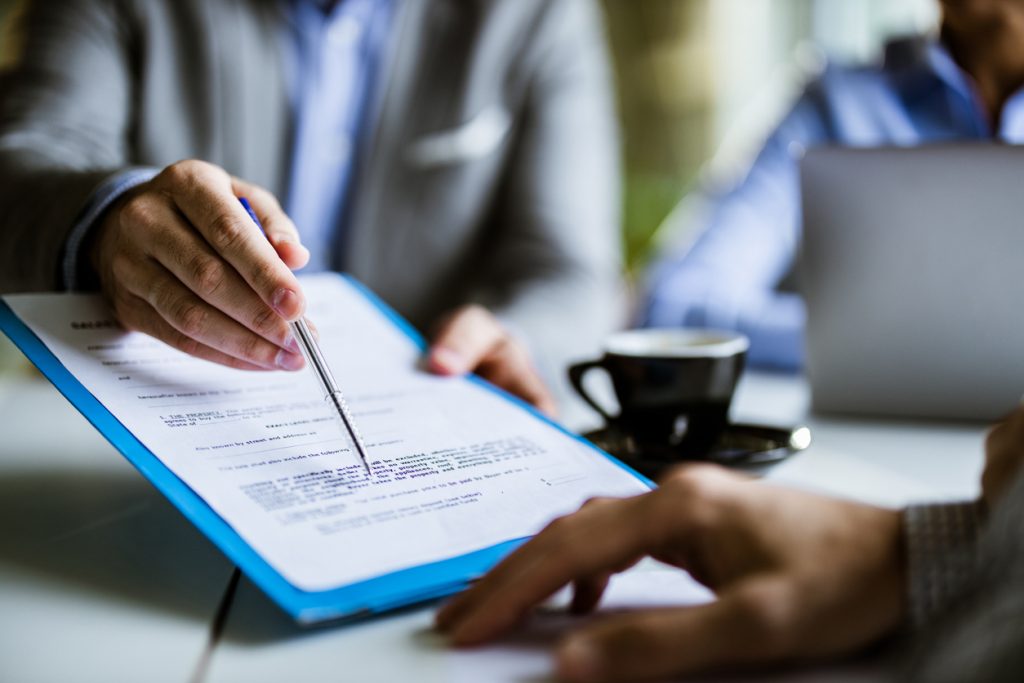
[372,596]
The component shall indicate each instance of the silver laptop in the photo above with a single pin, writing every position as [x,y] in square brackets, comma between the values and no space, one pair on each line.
[913,272]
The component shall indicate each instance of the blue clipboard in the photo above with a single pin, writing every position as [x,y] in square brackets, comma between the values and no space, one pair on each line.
[372,596]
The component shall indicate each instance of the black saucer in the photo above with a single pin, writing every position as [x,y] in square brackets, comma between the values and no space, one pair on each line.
[741,446]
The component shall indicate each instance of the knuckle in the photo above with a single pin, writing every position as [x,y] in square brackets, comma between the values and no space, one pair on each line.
[266,322]
[769,616]
[252,347]
[264,276]
[690,481]
[186,344]
[690,495]
[180,173]
[162,297]
[208,275]
[136,213]
[225,231]
[190,318]
[188,174]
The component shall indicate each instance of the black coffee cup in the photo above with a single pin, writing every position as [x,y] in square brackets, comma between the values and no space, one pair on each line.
[674,387]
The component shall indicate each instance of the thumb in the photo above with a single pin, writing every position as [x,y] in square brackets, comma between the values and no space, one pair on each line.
[465,339]
[736,629]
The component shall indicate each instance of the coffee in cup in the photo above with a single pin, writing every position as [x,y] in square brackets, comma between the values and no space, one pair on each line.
[674,386]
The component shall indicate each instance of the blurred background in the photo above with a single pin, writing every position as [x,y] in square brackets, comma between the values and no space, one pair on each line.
[700,84]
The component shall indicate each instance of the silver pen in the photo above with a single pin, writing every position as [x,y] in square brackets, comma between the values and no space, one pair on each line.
[318,364]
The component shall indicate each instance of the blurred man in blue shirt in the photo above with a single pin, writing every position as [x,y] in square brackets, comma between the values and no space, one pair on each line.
[966,85]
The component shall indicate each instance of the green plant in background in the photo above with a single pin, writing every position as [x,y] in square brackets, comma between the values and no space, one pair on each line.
[648,200]
[666,105]
[7,43]
[694,74]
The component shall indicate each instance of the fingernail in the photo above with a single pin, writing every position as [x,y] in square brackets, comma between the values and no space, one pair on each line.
[286,303]
[289,361]
[292,344]
[579,661]
[446,360]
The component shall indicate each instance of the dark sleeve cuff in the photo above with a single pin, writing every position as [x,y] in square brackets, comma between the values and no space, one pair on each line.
[941,546]
[74,269]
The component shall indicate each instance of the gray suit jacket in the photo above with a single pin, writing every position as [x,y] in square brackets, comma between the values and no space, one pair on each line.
[491,174]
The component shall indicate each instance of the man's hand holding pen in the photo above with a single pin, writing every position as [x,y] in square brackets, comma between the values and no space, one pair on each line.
[178,259]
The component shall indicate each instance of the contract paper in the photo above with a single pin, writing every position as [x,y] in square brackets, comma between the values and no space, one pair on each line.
[457,467]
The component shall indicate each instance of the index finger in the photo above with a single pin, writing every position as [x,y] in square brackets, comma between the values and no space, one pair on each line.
[277,226]
[210,205]
[598,539]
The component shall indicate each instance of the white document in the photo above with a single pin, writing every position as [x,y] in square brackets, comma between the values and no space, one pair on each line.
[457,467]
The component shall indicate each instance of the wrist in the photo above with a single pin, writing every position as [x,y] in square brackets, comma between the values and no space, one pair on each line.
[79,266]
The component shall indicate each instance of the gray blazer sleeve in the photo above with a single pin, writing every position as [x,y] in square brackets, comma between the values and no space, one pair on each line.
[553,272]
[63,131]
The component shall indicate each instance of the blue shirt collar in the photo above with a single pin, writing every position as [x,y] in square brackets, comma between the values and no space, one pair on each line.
[946,69]
[1011,120]
[922,63]
[921,67]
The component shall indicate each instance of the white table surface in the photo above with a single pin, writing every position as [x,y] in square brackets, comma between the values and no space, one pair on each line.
[102,580]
